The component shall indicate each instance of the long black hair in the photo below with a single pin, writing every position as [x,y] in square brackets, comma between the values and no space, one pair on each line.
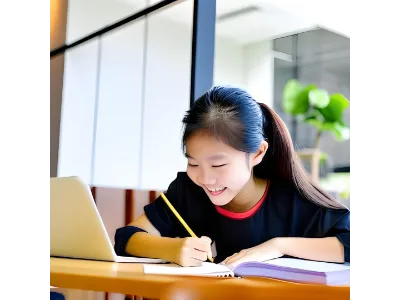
[232,116]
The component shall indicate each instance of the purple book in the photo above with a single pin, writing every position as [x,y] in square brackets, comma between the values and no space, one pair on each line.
[297,270]
[288,269]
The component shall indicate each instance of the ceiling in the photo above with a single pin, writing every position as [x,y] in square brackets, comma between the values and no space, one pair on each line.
[333,15]
[244,21]
[248,21]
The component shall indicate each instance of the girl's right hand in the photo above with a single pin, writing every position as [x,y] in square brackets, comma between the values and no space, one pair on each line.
[192,251]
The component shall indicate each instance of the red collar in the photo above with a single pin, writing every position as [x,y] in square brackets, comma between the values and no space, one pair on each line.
[246,214]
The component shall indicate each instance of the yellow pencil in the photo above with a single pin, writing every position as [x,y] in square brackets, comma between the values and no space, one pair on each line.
[177,215]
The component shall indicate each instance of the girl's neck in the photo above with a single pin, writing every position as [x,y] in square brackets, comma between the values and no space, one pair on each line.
[251,193]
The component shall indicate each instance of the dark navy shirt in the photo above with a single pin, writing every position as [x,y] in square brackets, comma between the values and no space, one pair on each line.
[282,212]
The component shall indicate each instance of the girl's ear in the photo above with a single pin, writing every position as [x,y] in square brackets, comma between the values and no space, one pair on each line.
[259,155]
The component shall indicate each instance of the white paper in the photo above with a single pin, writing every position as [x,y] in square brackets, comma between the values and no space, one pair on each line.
[172,269]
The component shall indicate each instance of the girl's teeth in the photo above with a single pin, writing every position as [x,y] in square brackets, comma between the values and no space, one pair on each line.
[216,190]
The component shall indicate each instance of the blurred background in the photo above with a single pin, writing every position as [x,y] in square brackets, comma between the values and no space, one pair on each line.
[118,93]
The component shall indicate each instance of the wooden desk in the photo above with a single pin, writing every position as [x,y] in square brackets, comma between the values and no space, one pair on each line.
[122,278]
[129,279]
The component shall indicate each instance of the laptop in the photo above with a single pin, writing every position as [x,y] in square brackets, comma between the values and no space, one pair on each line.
[76,228]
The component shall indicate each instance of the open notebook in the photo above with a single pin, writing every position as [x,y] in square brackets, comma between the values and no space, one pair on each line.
[289,269]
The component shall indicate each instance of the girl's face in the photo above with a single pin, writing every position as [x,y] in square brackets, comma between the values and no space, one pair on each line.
[219,169]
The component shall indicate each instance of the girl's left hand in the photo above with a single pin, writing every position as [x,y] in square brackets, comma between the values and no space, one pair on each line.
[265,251]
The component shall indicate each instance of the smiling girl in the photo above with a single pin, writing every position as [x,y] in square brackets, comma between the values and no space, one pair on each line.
[244,189]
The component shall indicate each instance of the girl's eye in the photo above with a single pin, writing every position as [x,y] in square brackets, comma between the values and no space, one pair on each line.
[219,166]
[193,165]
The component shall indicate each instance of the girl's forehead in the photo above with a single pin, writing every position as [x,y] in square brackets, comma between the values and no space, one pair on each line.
[206,145]
[201,139]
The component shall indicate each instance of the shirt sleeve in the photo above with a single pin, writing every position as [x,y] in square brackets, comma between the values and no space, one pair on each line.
[342,231]
[316,221]
[161,216]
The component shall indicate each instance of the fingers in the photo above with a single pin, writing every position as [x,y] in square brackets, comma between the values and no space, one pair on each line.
[234,259]
[202,244]
[209,256]
[192,262]
[204,248]
[197,248]
[228,259]
[199,255]
[209,253]
[206,239]
[187,259]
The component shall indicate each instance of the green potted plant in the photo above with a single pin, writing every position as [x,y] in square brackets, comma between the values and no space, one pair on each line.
[318,108]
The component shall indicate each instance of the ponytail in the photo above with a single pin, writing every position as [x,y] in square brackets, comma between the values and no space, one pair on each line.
[281,162]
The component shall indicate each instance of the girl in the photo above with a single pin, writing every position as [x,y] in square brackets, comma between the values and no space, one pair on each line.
[244,189]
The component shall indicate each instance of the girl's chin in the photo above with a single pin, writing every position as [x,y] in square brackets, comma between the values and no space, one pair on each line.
[220,200]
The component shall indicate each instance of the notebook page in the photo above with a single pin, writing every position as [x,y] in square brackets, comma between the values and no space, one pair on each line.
[172,269]
[308,265]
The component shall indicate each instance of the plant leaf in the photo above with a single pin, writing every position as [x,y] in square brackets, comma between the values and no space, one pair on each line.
[341,133]
[315,113]
[319,98]
[290,92]
[314,121]
[328,126]
[334,111]
[303,102]
[341,122]
[295,97]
